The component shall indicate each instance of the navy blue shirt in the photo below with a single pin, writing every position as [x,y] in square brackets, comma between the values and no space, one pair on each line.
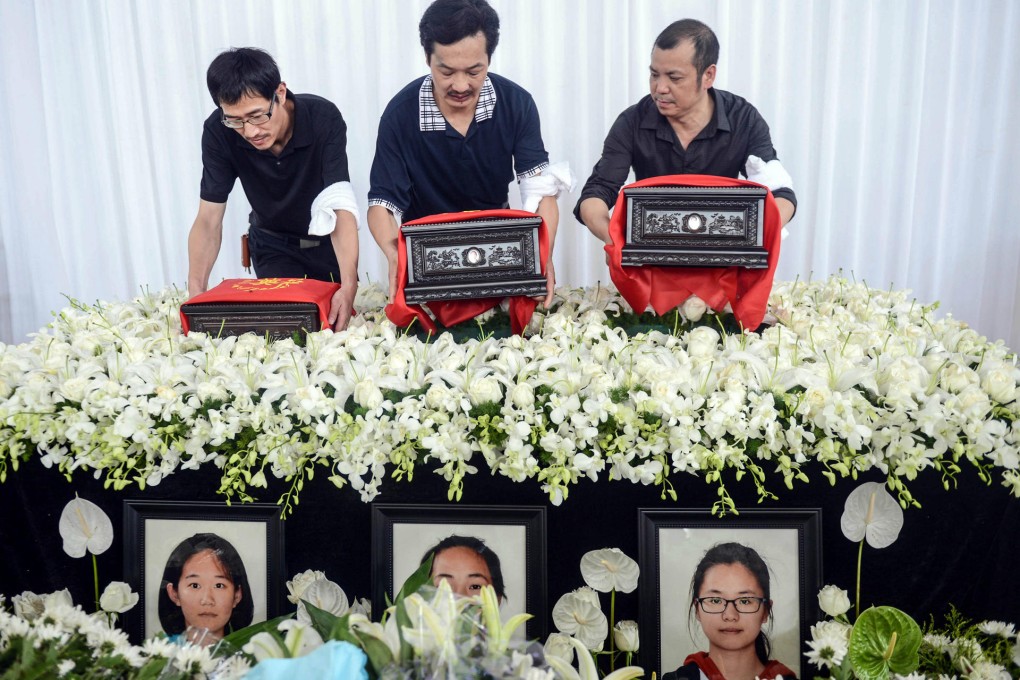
[642,138]
[420,173]
[280,188]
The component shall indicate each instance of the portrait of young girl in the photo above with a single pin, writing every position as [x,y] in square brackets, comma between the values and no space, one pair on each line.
[731,601]
[204,593]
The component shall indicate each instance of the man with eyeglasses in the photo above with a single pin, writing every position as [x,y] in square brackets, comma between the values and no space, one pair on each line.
[290,153]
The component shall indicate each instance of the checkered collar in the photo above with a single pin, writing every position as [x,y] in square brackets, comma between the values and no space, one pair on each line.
[431,119]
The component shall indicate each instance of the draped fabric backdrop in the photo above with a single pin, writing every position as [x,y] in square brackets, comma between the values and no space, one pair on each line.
[892,117]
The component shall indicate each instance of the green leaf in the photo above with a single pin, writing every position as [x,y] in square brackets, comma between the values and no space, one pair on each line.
[379,655]
[323,622]
[884,640]
[240,638]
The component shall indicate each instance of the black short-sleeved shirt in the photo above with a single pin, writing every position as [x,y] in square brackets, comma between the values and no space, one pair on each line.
[280,188]
[642,138]
[420,172]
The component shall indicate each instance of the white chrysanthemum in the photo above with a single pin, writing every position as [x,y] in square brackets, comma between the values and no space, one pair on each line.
[999,628]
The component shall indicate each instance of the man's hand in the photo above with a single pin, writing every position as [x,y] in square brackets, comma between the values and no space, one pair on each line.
[341,306]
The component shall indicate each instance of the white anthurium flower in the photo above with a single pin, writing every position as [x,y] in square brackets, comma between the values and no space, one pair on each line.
[577,613]
[296,586]
[325,595]
[117,598]
[833,600]
[610,569]
[872,513]
[85,527]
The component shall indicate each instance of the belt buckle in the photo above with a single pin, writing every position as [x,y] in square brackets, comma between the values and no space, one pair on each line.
[308,243]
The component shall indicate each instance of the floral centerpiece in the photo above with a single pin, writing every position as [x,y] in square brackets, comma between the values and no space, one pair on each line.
[884,642]
[848,379]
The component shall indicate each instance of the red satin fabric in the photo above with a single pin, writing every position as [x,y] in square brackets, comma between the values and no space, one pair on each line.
[453,312]
[747,290]
[252,291]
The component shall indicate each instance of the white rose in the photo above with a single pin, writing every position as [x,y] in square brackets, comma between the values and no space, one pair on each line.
[484,390]
[28,605]
[702,342]
[325,595]
[625,633]
[368,395]
[297,585]
[833,601]
[1000,384]
[957,378]
[437,395]
[558,645]
[693,308]
[522,396]
[118,598]
[57,599]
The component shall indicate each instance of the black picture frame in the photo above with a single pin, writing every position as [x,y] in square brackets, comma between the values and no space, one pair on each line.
[152,529]
[672,542]
[402,533]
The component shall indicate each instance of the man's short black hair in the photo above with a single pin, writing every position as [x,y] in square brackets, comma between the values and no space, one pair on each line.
[449,21]
[706,45]
[242,71]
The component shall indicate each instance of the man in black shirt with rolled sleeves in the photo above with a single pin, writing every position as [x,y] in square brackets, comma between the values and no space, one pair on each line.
[289,151]
[685,126]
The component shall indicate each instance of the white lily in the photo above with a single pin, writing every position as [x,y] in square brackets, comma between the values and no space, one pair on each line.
[497,633]
[586,669]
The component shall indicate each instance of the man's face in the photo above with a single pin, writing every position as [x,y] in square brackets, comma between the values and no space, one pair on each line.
[673,80]
[264,135]
[458,71]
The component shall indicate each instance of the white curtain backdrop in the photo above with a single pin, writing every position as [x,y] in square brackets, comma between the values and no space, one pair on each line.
[894,119]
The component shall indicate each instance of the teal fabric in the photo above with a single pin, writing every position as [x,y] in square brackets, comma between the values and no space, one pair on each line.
[334,660]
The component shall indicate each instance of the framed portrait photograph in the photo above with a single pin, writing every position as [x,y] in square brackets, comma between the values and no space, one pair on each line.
[514,535]
[673,542]
[202,564]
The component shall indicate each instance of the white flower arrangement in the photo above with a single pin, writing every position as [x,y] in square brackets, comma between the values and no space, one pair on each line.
[848,380]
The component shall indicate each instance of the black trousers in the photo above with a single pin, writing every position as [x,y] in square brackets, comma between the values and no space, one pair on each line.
[276,255]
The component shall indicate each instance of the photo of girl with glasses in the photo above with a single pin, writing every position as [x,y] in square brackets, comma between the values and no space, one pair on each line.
[731,599]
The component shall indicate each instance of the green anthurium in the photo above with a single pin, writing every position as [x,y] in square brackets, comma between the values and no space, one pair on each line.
[884,640]
[240,638]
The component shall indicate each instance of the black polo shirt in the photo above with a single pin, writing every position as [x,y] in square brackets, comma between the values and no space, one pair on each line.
[420,173]
[280,188]
[642,138]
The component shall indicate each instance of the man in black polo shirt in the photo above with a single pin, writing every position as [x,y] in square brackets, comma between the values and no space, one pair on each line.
[453,140]
[289,151]
[684,127]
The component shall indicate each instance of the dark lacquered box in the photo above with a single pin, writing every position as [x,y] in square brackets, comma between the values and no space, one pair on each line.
[273,307]
[482,258]
[275,320]
[695,227]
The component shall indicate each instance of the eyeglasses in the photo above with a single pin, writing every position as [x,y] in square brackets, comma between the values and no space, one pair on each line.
[257,119]
[743,605]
